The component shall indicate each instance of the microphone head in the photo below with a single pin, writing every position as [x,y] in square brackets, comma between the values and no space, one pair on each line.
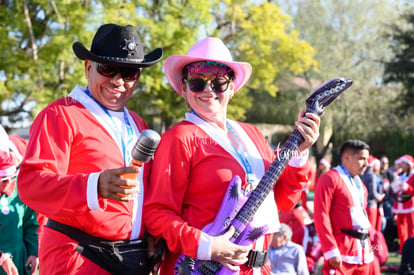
[146,145]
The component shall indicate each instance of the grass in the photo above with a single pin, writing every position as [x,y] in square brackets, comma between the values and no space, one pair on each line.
[393,261]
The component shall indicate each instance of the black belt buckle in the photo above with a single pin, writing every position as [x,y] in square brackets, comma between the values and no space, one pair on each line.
[356,234]
[256,258]
[364,236]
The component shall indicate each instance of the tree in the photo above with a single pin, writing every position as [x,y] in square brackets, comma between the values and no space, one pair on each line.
[400,67]
[39,65]
[348,38]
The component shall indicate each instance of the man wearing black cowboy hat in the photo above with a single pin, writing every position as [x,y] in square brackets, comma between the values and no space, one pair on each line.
[79,150]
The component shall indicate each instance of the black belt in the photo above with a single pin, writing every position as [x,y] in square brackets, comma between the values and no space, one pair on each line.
[356,234]
[117,257]
[85,238]
[403,197]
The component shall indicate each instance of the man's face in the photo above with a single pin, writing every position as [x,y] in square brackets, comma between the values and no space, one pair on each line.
[279,239]
[6,181]
[112,92]
[405,167]
[384,164]
[355,161]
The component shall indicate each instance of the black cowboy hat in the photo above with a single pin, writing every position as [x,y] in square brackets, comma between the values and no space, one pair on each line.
[117,45]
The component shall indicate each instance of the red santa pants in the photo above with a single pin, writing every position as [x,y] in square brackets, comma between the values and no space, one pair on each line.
[375,215]
[372,213]
[405,226]
[347,269]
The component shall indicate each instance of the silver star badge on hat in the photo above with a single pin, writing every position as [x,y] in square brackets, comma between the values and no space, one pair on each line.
[130,45]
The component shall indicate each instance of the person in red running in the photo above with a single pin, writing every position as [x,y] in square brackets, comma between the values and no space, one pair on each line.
[340,218]
[198,158]
[404,202]
[18,147]
[77,158]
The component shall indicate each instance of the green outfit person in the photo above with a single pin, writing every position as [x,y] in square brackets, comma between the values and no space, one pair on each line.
[18,224]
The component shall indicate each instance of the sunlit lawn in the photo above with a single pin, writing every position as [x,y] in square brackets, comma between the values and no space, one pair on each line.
[393,262]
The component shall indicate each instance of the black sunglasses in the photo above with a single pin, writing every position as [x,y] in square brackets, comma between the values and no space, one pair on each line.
[9,178]
[219,84]
[128,74]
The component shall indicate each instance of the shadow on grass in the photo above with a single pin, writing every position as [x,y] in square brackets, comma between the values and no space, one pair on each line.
[392,264]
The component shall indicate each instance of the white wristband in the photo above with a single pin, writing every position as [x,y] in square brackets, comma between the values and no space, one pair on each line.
[4,257]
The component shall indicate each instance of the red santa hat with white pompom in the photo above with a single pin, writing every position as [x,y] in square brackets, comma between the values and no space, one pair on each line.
[407,159]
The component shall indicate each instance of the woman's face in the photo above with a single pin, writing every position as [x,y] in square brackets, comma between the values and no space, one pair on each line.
[208,103]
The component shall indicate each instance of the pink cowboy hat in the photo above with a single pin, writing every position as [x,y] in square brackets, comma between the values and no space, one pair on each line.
[207,49]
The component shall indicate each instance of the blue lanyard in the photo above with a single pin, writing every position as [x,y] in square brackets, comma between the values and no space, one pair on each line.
[361,193]
[118,132]
[245,162]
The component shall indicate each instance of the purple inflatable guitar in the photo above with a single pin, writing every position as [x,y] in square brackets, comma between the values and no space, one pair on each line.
[237,209]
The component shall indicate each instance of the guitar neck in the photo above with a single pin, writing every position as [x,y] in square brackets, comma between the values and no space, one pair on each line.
[269,179]
[315,103]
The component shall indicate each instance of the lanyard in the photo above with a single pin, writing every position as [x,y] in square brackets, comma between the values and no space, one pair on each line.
[117,131]
[243,158]
[246,165]
[357,184]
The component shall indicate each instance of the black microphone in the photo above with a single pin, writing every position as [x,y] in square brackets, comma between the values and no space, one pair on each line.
[142,152]
[145,147]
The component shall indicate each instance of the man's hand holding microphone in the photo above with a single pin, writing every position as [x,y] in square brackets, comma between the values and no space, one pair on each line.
[121,183]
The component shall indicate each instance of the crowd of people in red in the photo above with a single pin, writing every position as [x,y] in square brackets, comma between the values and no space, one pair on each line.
[388,205]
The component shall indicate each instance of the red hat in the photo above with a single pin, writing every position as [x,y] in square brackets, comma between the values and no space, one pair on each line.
[398,160]
[372,160]
[18,145]
[407,159]
[325,162]
[7,164]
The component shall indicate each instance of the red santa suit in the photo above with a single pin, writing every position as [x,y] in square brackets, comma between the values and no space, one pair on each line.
[71,141]
[297,219]
[340,204]
[303,233]
[404,207]
[191,170]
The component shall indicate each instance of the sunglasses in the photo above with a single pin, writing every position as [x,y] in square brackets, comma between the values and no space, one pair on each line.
[218,84]
[128,74]
[8,179]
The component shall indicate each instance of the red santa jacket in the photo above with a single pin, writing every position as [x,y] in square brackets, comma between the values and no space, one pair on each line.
[334,208]
[404,202]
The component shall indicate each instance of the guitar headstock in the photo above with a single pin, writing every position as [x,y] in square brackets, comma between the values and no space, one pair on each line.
[325,94]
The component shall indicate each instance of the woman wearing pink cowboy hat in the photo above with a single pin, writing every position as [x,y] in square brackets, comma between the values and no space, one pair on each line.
[198,158]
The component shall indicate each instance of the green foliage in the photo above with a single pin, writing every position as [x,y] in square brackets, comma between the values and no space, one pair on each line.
[260,35]
[347,37]
[38,63]
[400,68]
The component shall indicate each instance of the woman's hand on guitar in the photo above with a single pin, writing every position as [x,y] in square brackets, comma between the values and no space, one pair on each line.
[308,127]
[227,253]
